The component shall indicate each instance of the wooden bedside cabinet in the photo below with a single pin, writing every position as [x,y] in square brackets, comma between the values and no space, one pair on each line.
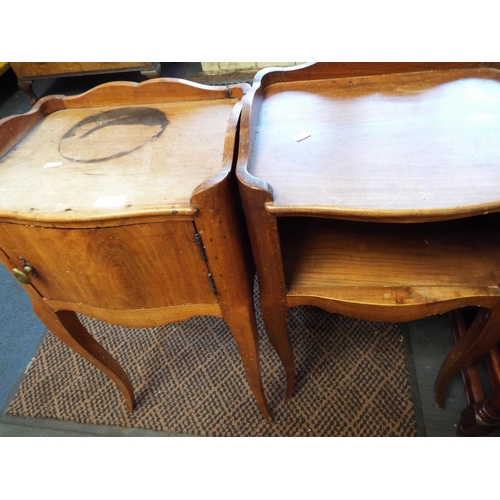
[121,204]
[372,190]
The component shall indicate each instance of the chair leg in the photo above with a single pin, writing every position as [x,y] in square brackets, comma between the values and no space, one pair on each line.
[481,336]
[66,326]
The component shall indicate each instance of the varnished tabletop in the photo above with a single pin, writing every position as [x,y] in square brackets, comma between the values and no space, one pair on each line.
[87,161]
[417,146]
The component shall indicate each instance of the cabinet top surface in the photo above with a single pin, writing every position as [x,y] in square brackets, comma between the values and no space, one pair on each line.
[96,161]
[421,141]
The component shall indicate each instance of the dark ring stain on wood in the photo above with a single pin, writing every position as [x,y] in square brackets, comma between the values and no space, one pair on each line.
[81,142]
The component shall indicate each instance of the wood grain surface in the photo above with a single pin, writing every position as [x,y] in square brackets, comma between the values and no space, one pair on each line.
[122,203]
[402,146]
[69,169]
[138,266]
[332,155]
[41,69]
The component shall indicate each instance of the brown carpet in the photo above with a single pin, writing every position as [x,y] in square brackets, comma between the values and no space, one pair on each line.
[188,379]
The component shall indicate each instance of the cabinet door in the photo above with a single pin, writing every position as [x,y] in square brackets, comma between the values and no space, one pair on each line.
[130,267]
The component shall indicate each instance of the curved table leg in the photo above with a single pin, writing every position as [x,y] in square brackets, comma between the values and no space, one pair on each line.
[66,326]
[480,337]
[265,243]
[274,317]
[243,327]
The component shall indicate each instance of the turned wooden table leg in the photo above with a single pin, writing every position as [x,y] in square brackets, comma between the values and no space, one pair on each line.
[480,419]
[66,326]
[482,415]
[481,336]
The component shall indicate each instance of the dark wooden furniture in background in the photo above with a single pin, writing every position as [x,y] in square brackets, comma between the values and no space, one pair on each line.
[121,204]
[27,72]
[482,415]
[371,190]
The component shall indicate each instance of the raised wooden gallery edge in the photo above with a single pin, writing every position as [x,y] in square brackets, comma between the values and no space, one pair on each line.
[391,153]
[120,204]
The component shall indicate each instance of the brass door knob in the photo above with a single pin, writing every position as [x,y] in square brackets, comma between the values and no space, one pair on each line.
[23,275]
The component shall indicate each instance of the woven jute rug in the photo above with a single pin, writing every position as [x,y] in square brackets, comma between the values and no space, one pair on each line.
[188,379]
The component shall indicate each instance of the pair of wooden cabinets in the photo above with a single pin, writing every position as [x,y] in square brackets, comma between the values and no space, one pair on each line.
[369,190]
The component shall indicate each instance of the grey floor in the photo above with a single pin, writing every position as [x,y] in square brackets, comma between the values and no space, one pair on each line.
[21,333]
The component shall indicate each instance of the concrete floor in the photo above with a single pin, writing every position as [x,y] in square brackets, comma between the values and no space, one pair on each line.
[21,333]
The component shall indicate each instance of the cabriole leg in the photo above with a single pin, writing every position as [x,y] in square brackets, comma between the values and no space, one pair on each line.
[243,327]
[274,317]
[66,326]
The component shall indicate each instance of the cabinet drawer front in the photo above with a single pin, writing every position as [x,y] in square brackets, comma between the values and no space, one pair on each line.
[130,267]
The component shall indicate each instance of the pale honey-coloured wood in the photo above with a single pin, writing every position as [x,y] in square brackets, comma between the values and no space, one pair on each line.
[44,69]
[386,304]
[380,143]
[222,229]
[65,325]
[14,128]
[324,252]
[139,318]
[27,72]
[159,90]
[130,267]
[400,146]
[65,182]
[265,243]
[123,201]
